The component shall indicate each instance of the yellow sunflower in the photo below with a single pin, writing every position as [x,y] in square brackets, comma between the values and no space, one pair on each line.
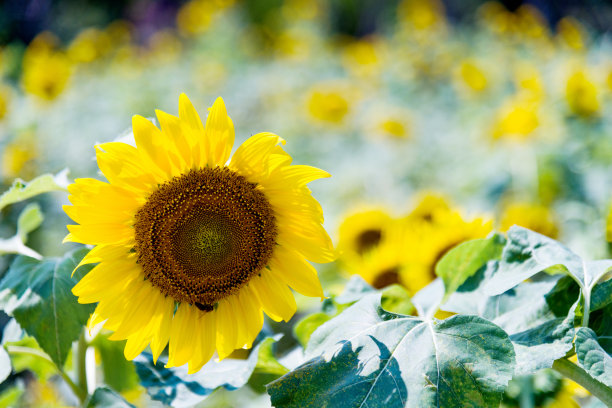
[537,218]
[362,230]
[192,247]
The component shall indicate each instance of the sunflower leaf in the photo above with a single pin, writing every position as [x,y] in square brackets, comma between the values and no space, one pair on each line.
[592,357]
[367,356]
[105,397]
[464,260]
[174,387]
[21,190]
[527,253]
[5,364]
[119,373]
[38,294]
[268,368]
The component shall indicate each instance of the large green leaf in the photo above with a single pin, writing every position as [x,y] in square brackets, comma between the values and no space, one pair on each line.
[537,315]
[38,294]
[367,356]
[21,190]
[464,260]
[107,398]
[592,357]
[267,368]
[527,253]
[174,387]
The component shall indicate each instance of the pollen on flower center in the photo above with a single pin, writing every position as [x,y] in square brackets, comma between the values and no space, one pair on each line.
[201,236]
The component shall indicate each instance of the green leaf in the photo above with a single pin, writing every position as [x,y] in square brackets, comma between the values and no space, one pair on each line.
[10,397]
[396,299]
[5,364]
[21,190]
[355,289]
[601,323]
[464,260]
[119,374]
[601,296]
[174,387]
[38,294]
[268,368]
[592,357]
[305,327]
[527,253]
[107,398]
[367,356]
[29,219]
[42,368]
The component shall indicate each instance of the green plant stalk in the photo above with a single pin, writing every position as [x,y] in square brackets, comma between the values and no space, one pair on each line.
[80,363]
[581,377]
[526,396]
[80,393]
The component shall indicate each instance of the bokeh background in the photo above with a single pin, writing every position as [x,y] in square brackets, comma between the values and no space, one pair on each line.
[439,121]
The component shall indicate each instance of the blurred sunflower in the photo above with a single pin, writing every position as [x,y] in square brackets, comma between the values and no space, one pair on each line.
[537,218]
[427,242]
[192,248]
[362,231]
[582,95]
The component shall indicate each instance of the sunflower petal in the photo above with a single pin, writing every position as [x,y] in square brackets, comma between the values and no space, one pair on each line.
[219,135]
[289,267]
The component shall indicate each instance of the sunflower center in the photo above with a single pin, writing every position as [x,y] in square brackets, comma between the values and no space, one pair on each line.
[387,277]
[201,236]
[368,239]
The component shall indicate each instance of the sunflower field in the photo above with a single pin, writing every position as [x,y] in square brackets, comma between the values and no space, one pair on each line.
[305,203]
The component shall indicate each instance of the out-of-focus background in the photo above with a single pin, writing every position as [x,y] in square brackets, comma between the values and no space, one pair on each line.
[447,118]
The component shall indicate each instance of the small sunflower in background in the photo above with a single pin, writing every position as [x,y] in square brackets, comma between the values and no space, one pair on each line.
[362,231]
[192,247]
[535,217]
[582,95]
[431,235]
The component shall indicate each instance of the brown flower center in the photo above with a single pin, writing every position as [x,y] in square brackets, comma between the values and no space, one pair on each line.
[201,236]
[387,277]
[368,239]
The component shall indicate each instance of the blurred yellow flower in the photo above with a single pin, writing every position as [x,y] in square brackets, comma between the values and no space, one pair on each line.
[361,57]
[571,33]
[90,45]
[429,208]
[362,230]
[516,119]
[529,82]
[427,242]
[472,76]
[46,71]
[164,46]
[421,14]
[581,95]
[5,99]
[196,16]
[330,103]
[535,217]
[18,156]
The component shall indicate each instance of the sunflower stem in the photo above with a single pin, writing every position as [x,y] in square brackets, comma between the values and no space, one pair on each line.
[80,393]
[80,364]
[581,377]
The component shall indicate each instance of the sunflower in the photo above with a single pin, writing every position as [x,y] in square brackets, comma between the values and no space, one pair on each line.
[429,241]
[362,231]
[192,248]
[537,218]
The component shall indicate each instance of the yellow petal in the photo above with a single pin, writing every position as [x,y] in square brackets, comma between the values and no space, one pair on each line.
[95,234]
[175,131]
[161,333]
[151,145]
[219,135]
[312,250]
[226,329]
[205,344]
[253,317]
[251,159]
[291,268]
[104,252]
[181,339]
[275,297]
[135,344]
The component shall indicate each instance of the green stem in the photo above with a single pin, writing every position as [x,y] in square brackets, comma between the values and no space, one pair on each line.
[526,396]
[80,364]
[80,393]
[581,377]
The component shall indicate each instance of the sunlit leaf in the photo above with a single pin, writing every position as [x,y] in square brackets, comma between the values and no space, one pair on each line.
[305,327]
[174,387]
[5,364]
[464,260]
[592,357]
[107,398]
[38,294]
[21,190]
[367,356]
